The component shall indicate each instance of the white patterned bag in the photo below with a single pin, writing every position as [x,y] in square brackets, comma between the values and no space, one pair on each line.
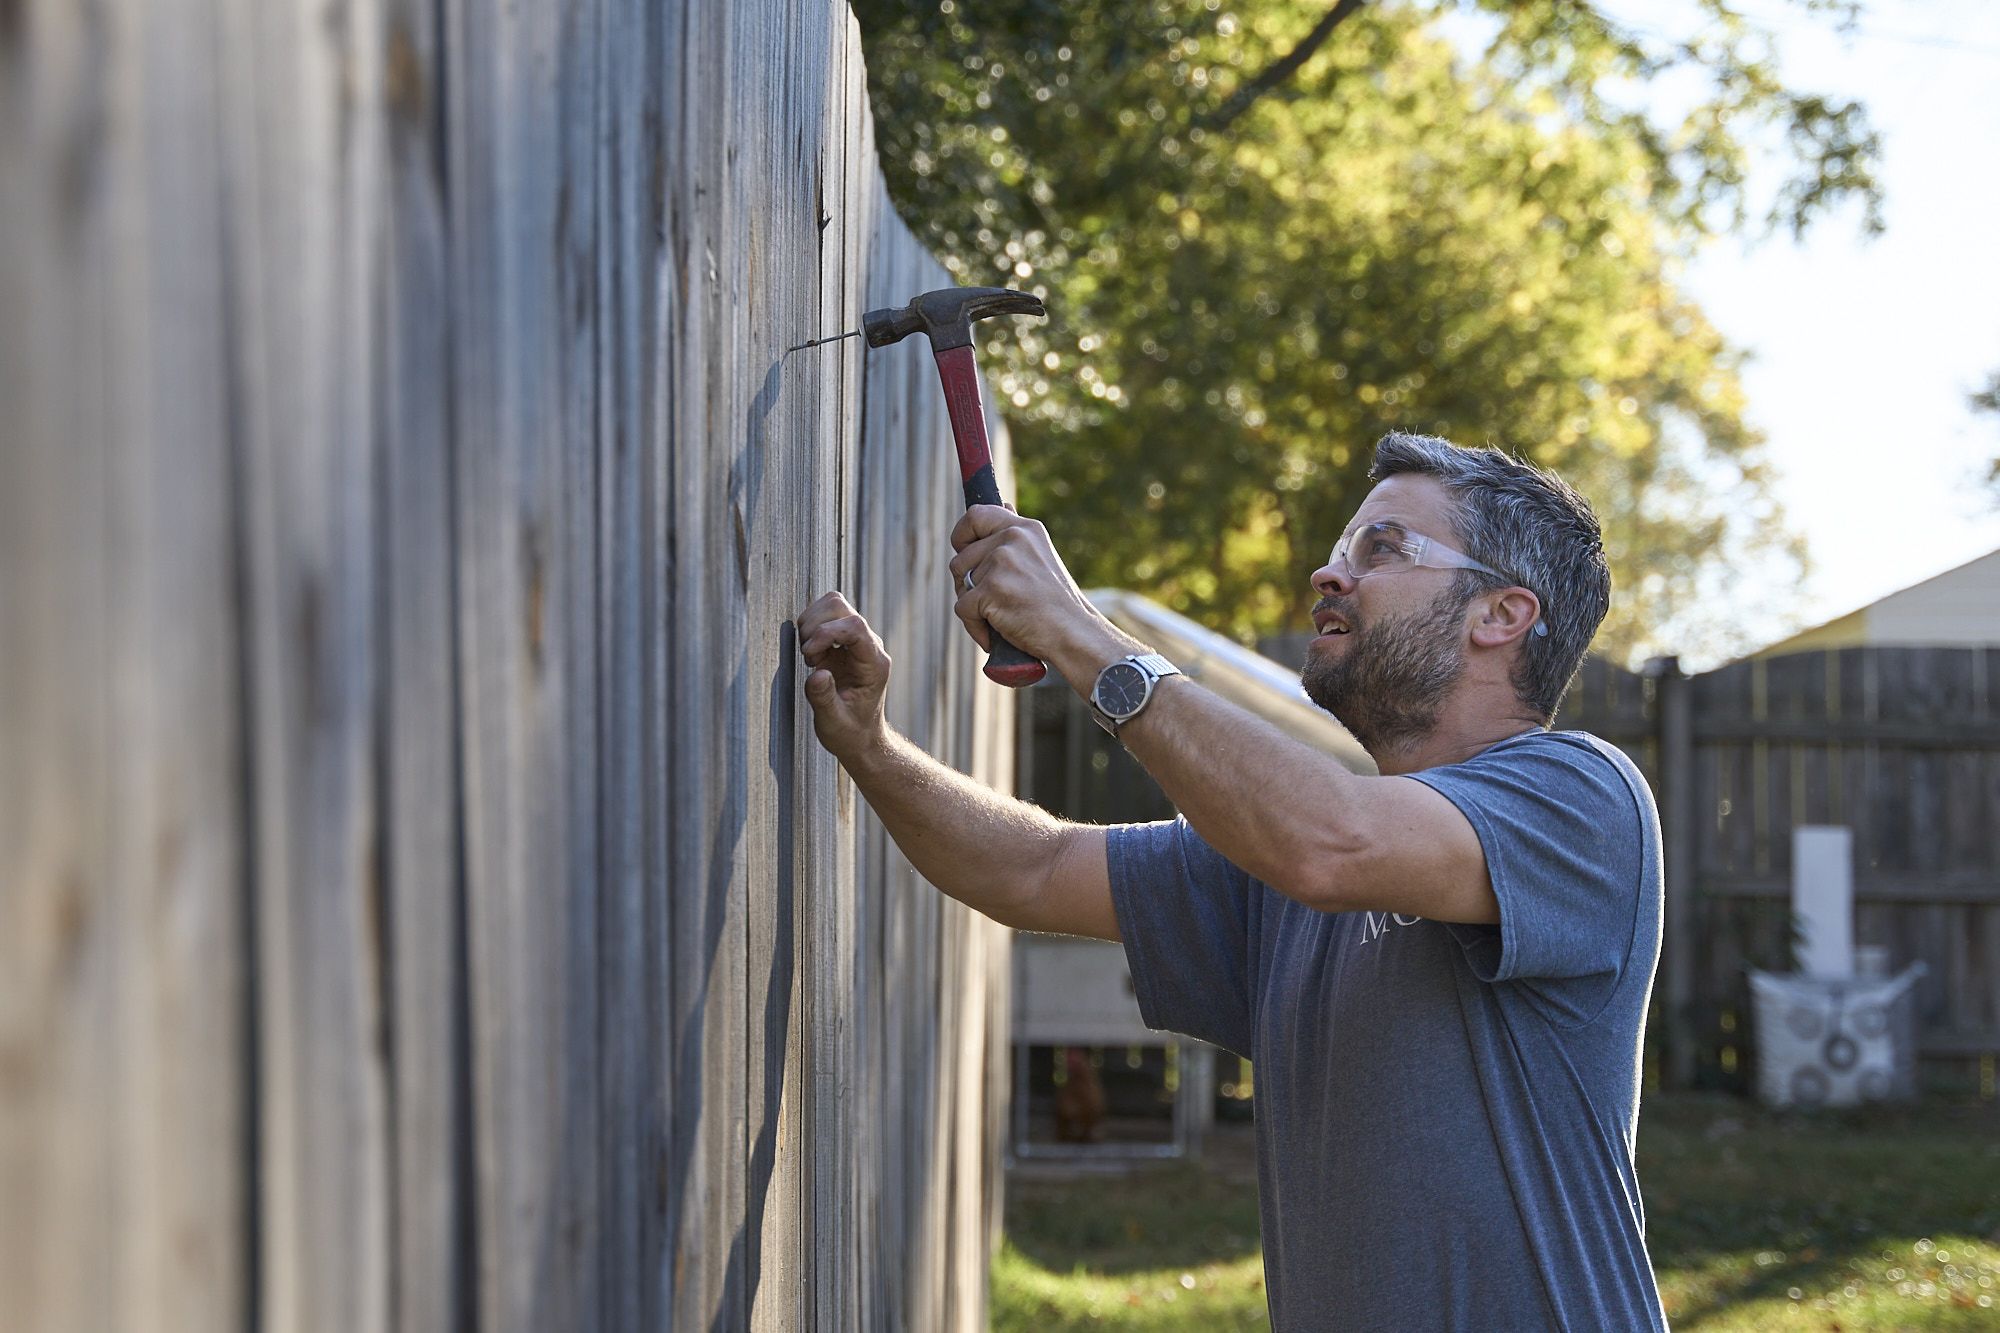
[1835,1043]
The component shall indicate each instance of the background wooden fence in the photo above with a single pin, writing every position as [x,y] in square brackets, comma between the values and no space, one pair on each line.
[422,904]
[1900,744]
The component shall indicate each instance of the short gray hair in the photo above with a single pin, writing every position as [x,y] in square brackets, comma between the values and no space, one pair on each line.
[1531,524]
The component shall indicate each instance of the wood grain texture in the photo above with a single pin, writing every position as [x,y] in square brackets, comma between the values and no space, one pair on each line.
[430,1112]
[304,200]
[123,1187]
[428,906]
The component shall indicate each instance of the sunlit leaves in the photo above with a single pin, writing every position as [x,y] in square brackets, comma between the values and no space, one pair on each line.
[1398,237]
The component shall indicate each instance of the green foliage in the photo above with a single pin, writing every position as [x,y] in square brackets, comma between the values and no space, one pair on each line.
[1248,291]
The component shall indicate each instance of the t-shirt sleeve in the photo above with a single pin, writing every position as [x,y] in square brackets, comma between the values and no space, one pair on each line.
[1565,840]
[1188,918]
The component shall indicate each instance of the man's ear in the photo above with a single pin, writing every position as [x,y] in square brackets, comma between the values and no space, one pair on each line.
[1499,618]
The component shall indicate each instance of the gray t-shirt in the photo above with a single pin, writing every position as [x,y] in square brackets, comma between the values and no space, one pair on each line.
[1445,1113]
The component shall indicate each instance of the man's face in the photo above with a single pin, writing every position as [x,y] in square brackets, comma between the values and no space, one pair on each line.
[1391,646]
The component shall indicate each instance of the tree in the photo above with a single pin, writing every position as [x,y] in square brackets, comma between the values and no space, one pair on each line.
[1988,400]
[1271,233]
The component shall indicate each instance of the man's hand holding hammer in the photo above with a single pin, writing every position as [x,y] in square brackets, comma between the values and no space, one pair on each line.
[1010,578]
[1003,857]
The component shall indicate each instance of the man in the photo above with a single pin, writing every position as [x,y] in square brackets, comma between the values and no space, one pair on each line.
[1441,973]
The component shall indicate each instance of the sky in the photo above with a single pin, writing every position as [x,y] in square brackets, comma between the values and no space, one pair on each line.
[1863,351]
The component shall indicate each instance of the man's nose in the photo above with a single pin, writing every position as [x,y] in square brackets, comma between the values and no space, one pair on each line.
[1333,578]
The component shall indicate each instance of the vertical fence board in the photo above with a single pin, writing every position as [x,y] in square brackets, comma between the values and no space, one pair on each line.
[122,1181]
[173,826]
[430,1148]
[838,1118]
[706,777]
[525,398]
[304,174]
[629,195]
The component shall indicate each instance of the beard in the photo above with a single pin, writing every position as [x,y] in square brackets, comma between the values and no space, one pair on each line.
[1389,685]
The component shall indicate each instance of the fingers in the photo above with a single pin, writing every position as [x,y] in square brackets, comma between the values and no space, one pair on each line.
[977,556]
[968,559]
[833,634]
[828,606]
[983,521]
[1017,537]
[847,675]
[849,634]
[967,609]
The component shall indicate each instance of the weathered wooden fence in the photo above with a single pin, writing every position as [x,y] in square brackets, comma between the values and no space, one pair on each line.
[422,904]
[1900,744]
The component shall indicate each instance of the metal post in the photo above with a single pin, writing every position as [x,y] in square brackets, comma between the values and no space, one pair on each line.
[1677,831]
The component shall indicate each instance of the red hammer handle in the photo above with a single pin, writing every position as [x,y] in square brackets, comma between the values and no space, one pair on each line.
[1007,665]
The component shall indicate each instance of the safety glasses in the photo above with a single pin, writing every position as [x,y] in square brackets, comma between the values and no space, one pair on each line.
[1388,548]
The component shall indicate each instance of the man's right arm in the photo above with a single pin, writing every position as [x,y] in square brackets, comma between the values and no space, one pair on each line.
[1002,857]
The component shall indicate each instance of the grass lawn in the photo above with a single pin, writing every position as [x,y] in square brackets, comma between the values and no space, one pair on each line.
[1875,1220]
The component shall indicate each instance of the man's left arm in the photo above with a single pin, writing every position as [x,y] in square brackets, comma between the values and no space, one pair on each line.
[1285,812]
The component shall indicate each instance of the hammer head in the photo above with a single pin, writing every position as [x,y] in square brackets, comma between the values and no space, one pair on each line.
[946,315]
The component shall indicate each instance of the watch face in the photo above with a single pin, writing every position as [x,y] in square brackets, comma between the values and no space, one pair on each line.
[1121,688]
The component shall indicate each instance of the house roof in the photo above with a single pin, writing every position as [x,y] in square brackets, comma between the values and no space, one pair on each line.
[1959,607]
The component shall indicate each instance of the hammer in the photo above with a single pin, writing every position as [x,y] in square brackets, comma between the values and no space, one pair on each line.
[945,317]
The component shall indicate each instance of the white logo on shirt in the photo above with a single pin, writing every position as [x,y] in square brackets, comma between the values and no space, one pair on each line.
[1378,924]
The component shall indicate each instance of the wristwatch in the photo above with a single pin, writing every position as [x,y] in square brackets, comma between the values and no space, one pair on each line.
[1125,687]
